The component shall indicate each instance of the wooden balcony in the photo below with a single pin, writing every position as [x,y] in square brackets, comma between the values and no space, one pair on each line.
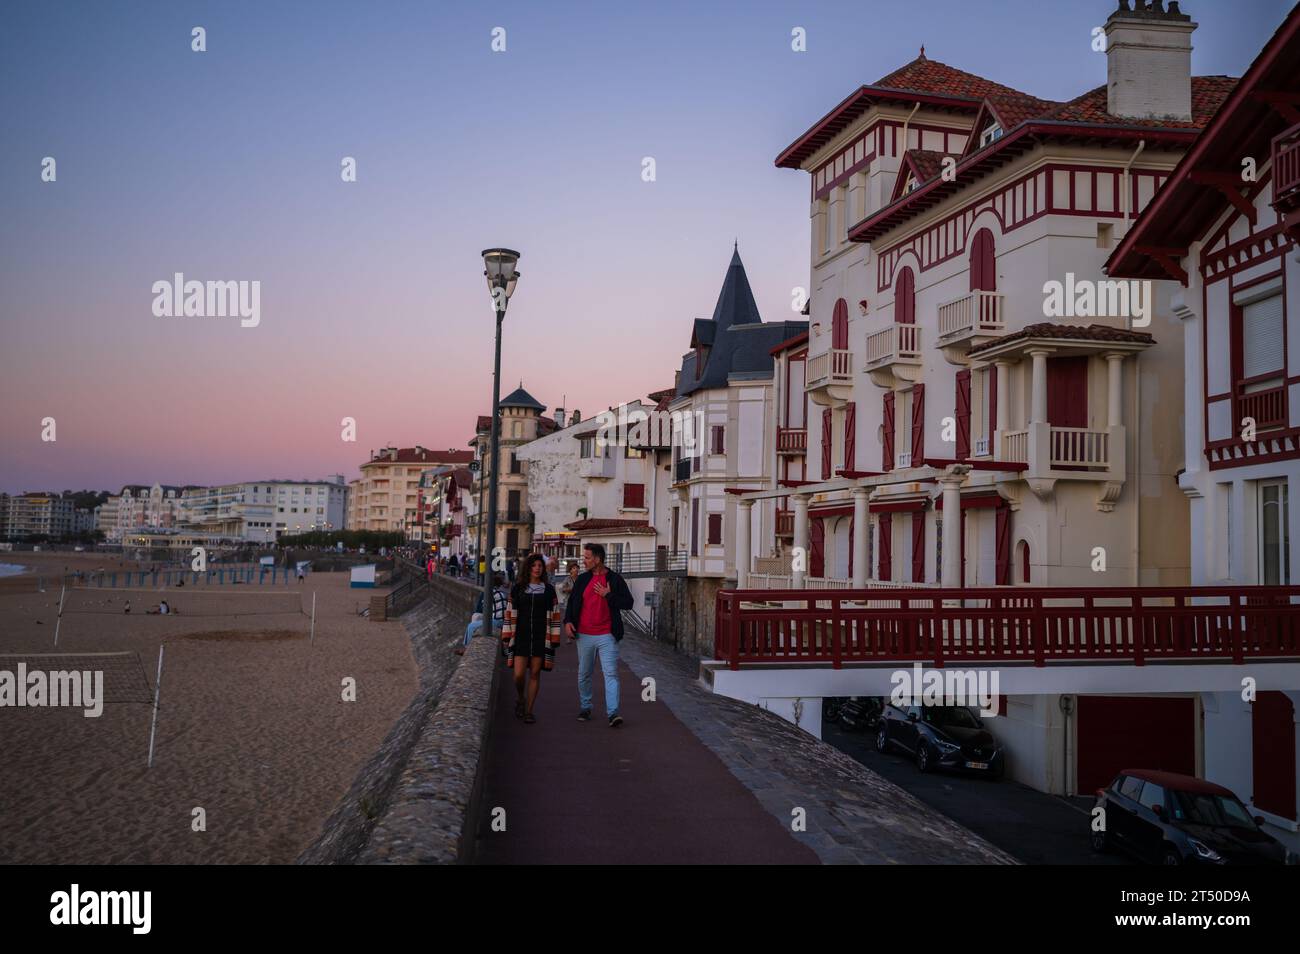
[830,376]
[894,355]
[792,440]
[785,523]
[1286,179]
[1068,453]
[970,320]
[1267,406]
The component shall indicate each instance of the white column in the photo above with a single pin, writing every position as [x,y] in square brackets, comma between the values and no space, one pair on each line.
[951,480]
[861,530]
[744,514]
[1114,393]
[800,538]
[1004,403]
[1038,404]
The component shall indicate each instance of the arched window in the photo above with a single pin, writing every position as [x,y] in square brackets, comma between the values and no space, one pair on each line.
[983,273]
[840,324]
[1024,561]
[905,298]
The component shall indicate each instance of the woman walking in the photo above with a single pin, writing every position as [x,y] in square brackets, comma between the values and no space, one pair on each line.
[531,633]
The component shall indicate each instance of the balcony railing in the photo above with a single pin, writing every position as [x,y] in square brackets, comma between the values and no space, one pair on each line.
[600,467]
[791,440]
[682,470]
[1078,447]
[975,313]
[1015,446]
[981,447]
[1034,625]
[1267,406]
[830,367]
[1286,169]
[785,523]
[896,343]
[514,516]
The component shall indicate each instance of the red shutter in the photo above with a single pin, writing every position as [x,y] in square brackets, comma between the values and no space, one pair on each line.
[886,546]
[826,443]
[816,547]
[991,386]
[633,495]
[850,439]
[840,325]
[918,546]
[963,414]
[851,519]
[887,438]
[1002,546]
[905,298]
[1273,744]
[1067,391]
[695,527]
[918,425]
[983,273]
[715,528]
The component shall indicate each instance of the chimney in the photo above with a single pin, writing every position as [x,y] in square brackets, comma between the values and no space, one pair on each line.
[1149,61]
[576,418]
[559,417]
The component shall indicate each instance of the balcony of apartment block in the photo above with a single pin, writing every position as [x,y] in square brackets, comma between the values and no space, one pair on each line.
[1263,400]
[515,516]
[1055,453]
[830,377]
[682,470]
[1286,179]
[600,467]
[894,355]
[792,440]
[973,319]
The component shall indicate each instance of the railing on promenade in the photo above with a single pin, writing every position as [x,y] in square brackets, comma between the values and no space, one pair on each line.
[1008,624]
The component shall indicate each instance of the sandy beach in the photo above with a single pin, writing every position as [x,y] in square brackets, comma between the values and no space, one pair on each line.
[252,726]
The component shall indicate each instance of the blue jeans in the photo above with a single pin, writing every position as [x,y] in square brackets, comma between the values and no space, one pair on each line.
[607,647]
[473,628]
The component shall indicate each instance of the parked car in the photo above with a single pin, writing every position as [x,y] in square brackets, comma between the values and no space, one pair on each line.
[950,737]
[1172,819]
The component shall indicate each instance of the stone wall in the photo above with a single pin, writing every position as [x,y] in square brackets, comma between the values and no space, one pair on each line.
[414,799]
[685,613]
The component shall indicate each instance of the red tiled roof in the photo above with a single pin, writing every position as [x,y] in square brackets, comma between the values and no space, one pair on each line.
[610,525]
[924,75]
[1012,110]
[1069,333]
[1208,94]
[421,455]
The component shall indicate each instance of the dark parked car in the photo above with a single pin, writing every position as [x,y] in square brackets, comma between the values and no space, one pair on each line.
[950,737]
[1172,819]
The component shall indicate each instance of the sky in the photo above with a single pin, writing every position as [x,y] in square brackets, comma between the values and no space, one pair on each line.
[226,165]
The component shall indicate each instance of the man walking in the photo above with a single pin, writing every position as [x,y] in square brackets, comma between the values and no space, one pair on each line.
[594,614]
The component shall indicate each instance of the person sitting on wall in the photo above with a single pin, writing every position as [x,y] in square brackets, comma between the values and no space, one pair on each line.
[500,600]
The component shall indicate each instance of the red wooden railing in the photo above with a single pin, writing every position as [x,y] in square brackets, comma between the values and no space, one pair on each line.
[791,440]
[1286,168]
[1266,407]
[1008,624]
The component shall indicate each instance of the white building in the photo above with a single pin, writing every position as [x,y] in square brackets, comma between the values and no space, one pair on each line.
[263,511]
[1228,250]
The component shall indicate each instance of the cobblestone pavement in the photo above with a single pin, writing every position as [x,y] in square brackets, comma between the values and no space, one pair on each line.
[854,816]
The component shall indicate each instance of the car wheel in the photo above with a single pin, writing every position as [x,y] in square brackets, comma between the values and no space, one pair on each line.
[1172,857]
[923,761]
[882,739]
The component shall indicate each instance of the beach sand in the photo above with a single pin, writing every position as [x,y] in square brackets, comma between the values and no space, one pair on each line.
[252,726]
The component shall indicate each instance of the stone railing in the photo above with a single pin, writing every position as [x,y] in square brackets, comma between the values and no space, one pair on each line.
[416,800]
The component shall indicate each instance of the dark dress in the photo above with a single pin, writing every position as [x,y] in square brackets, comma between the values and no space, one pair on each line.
[533,611]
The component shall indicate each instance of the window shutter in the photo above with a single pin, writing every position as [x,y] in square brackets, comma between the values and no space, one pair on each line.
[817,547]
[633,495]
[887,437]
[991,388]
[983,276]
[886,523]
[840,325]
[905,298]
[1067,391]
[918,425]
[1002,546]
[715,528]
[695,527]
[963,414]
[826,443]
[1261,337]
[918,546]
[850,439]
[719,439]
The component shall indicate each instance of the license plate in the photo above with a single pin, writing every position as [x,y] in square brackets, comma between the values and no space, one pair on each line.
[977,765]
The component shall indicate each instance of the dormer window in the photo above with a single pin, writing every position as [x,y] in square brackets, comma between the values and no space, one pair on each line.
[911,185]
[991,132]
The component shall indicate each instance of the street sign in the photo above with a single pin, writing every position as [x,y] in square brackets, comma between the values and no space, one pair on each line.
[473,466]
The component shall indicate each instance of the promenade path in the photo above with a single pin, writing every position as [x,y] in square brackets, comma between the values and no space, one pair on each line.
[689,778]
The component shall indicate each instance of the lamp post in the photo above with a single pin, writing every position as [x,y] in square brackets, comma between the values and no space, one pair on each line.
[499,269]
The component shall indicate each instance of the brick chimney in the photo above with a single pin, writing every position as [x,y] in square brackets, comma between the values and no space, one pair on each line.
[576,418]
[1149,61]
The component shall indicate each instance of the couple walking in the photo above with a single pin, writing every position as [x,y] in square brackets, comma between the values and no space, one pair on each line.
[592,616]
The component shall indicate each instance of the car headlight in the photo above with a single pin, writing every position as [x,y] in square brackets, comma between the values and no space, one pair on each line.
[1203,850]
[947,748]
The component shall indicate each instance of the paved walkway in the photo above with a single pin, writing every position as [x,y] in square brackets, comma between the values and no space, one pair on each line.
[646,793]
[692,777]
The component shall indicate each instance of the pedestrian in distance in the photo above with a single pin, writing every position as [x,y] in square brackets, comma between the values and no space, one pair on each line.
[594,617]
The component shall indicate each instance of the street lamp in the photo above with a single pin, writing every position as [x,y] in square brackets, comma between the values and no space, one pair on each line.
[502,277]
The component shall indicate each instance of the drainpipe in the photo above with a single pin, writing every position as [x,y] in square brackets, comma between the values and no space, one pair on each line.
[1066,703]
[1128,211]
[906,122]
[1137,470]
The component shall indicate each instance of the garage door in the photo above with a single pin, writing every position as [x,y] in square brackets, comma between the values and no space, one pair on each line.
[1119,732]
